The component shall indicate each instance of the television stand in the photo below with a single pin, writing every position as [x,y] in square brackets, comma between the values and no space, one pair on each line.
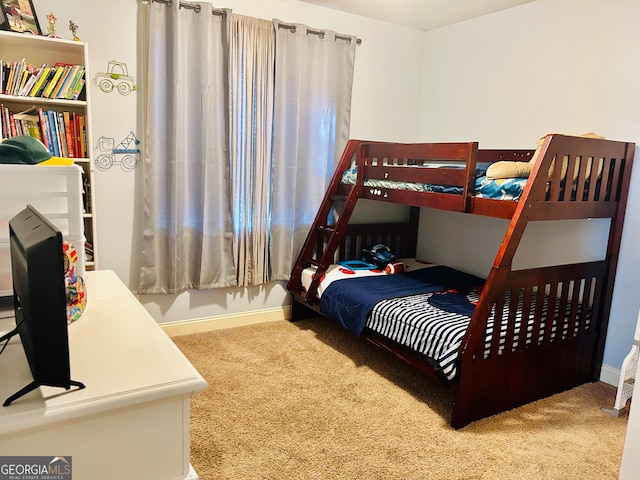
[8,335]
[33,386]
[132,419]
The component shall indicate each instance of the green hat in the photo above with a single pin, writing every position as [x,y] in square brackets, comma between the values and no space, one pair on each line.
[23,149]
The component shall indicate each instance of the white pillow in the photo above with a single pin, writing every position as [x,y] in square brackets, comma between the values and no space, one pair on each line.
[511,169]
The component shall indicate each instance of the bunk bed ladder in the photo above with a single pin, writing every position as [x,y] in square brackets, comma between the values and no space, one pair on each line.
[327,233]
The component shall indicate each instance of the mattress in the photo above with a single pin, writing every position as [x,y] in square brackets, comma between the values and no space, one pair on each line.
[419,323]
[434,324]
[341,272]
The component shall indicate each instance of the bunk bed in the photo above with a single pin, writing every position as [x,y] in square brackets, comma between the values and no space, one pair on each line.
[521,334]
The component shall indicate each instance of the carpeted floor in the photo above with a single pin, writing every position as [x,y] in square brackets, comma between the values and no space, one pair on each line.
[307,400]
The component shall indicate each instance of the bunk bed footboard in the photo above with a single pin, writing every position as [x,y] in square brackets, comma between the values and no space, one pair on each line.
[542,339]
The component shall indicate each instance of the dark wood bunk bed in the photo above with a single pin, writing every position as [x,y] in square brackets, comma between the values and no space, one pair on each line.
[496,368]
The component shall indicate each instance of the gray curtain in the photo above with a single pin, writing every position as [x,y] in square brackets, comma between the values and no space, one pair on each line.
[244,121]
[251,78]
[314,79]
[187,232]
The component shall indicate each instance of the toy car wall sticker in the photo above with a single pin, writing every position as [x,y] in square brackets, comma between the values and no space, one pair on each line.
[116,77]
[111,153]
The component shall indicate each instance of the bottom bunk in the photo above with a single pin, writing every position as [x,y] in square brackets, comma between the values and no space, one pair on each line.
[497,348]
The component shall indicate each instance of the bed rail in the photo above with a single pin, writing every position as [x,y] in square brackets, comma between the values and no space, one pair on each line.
[552,350]
[399,162]
[585,178]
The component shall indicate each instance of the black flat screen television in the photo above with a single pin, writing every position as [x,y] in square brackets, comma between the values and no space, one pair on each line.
[40,303]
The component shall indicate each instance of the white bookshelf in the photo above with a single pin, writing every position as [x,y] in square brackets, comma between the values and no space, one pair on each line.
[37,50]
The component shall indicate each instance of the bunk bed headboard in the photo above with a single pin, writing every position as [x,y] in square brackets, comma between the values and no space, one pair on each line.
[400,237]
[587,177]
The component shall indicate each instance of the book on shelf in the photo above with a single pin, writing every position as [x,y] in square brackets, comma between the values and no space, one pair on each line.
[27,123]
[22,80]
[68,134]
[45,76]
[28,78]
[17,70]
[70,82]
[78,90]
[9,77]
[57,72]
[82,136]
[66,70]
[33,78]
[63,133]
[12,125]
[78,84]
[60,80]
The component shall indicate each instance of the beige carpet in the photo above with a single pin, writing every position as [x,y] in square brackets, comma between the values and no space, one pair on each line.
[307,400]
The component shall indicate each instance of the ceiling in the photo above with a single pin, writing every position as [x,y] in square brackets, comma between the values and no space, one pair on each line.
[420,14]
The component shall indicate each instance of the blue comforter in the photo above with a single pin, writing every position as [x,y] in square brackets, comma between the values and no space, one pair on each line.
[349,301]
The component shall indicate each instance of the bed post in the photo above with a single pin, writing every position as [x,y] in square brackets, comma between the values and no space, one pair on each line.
[613,249]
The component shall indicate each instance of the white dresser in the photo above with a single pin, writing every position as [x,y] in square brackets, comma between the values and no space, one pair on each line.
[132,419]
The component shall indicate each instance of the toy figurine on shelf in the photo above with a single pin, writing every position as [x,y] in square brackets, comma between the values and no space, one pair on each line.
[73,26]
[51,27]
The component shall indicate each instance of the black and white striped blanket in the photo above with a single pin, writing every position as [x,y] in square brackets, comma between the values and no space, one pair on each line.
[414,322]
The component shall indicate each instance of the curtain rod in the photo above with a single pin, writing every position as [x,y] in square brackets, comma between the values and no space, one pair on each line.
[222,13]
[191,6]
[319,33]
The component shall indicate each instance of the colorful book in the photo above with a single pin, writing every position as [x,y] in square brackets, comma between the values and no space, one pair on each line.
[33,77]
[78,90]
[62,138]
[12,68]
[53,130]
[24,76]
[44,128]
[63,78]
[76,81]
[69,85]
[82,136]
[53,81]
[42,77]
[68,134]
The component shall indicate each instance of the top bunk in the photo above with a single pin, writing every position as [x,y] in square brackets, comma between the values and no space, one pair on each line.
[591,176]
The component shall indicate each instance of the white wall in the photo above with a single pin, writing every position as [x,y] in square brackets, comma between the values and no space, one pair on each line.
[506,79]
[387,61]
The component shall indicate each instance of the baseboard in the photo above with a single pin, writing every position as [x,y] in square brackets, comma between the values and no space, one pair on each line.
[187,327]
[610,375]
